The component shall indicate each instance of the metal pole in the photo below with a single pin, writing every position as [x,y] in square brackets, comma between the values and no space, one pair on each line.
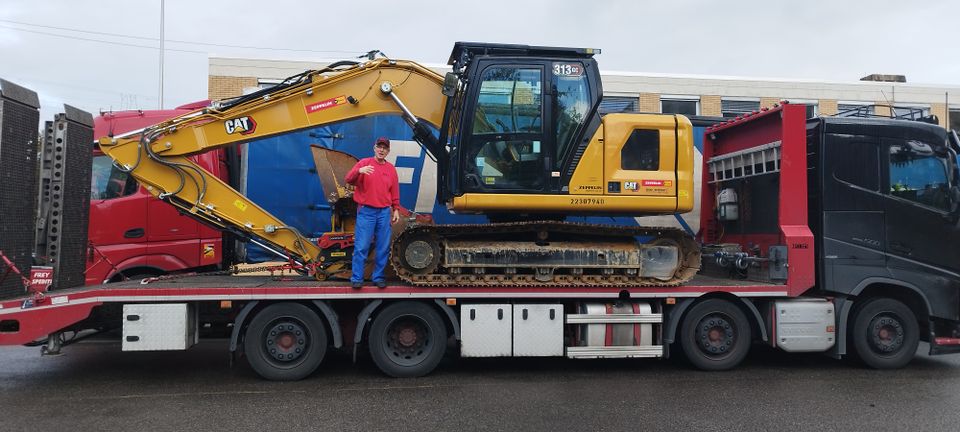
[160,103]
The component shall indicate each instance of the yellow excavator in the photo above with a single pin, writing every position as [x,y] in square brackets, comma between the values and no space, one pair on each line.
[516,134]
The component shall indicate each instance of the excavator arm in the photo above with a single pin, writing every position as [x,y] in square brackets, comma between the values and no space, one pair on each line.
[158,156]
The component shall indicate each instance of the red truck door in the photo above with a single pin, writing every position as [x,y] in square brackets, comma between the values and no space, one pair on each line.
[118,210]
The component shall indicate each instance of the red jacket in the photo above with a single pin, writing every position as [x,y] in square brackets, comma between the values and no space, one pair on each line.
[381,188]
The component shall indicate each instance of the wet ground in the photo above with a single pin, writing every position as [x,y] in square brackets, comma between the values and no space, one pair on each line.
[94,386]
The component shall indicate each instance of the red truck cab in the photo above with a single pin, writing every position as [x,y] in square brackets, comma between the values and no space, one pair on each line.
[134,235]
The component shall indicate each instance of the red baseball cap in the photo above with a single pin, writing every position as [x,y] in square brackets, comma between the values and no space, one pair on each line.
[383,141]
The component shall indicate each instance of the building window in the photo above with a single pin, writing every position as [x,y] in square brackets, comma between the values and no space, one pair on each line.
[619,104]
[909,112]
[733,108]
[267,82]
[812,110]
[855,110]
[954,119]
[688,107]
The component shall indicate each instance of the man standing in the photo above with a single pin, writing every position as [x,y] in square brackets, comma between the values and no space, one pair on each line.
[377,194]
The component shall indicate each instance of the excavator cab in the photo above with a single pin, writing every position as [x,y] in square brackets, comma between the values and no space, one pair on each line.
[521,120]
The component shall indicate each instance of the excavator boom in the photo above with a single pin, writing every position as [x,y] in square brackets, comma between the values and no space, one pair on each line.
[158,156]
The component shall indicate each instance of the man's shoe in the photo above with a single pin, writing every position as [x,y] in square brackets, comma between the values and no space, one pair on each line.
[381,284]
[356,285]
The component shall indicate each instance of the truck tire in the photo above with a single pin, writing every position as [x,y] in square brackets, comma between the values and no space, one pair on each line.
[407,339]
[885,333]
[715,335]
[285,342]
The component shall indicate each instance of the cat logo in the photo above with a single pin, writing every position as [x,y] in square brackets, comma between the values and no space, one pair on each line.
[242,125]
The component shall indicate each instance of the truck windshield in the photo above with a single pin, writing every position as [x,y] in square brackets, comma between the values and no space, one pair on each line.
[108,182]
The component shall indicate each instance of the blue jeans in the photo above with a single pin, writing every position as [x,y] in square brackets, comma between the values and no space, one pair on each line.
[371,222]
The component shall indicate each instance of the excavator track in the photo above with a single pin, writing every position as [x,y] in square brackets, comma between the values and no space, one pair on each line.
[430,271]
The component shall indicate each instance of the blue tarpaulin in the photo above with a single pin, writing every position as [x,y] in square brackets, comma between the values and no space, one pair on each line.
[280,175]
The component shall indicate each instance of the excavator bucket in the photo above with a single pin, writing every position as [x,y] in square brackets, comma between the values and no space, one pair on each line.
[332,167]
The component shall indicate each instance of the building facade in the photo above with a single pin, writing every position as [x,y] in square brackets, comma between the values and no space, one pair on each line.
[683,94]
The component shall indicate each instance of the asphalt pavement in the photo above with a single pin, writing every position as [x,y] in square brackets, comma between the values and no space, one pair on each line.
[93,386]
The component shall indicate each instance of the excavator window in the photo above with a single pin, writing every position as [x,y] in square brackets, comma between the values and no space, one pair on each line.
[573,103]
[641,151]
[509,102]
[505,150]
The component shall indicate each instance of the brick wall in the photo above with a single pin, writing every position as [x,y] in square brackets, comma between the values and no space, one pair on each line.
[882,110]
[828,107]
[223,87]
[767,102]
[649,102]
[939,110]
[710,106]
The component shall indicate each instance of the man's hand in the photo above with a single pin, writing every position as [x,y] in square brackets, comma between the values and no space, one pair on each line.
[396,216]
[367,170]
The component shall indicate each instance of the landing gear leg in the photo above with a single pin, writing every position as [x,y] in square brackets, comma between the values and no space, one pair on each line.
[53,346]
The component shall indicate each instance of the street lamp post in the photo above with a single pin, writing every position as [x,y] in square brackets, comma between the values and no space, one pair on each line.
[161,57]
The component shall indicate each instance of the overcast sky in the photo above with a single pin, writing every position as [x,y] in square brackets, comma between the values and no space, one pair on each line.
[102,55]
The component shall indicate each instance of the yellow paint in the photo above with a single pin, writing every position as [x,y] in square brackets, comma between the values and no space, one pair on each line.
[285,111]
[209,251]
[572,204]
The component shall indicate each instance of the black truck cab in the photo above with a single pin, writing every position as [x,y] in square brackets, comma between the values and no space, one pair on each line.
[884,211]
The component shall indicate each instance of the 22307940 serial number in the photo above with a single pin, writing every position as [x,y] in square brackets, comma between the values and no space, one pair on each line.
[586,201]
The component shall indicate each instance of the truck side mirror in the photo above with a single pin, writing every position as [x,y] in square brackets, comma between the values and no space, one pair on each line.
[954,197]
[450,84]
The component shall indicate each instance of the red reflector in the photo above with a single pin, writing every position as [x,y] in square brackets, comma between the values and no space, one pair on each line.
[947,341]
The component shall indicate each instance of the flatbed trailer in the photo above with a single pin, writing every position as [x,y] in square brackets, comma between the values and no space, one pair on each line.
[785,264]
[348,313]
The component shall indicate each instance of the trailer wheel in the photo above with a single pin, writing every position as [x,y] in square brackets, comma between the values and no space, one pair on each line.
[285,342]
[715,335]
[407,339]
[885,333]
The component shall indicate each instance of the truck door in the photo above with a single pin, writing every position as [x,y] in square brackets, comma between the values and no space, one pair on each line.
[118,218]
[921,237]
[853,208]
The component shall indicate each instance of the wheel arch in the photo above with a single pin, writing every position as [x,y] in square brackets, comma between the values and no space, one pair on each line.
[117,276]
[249,310]
[905,292]
[672,324]
[370,311]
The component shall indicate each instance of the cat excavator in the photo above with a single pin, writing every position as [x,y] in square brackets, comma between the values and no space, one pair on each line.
[517,136]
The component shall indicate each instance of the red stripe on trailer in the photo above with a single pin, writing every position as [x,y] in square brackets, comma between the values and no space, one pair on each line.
[636,326]
[947,341]
[608,335]
[144,293]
